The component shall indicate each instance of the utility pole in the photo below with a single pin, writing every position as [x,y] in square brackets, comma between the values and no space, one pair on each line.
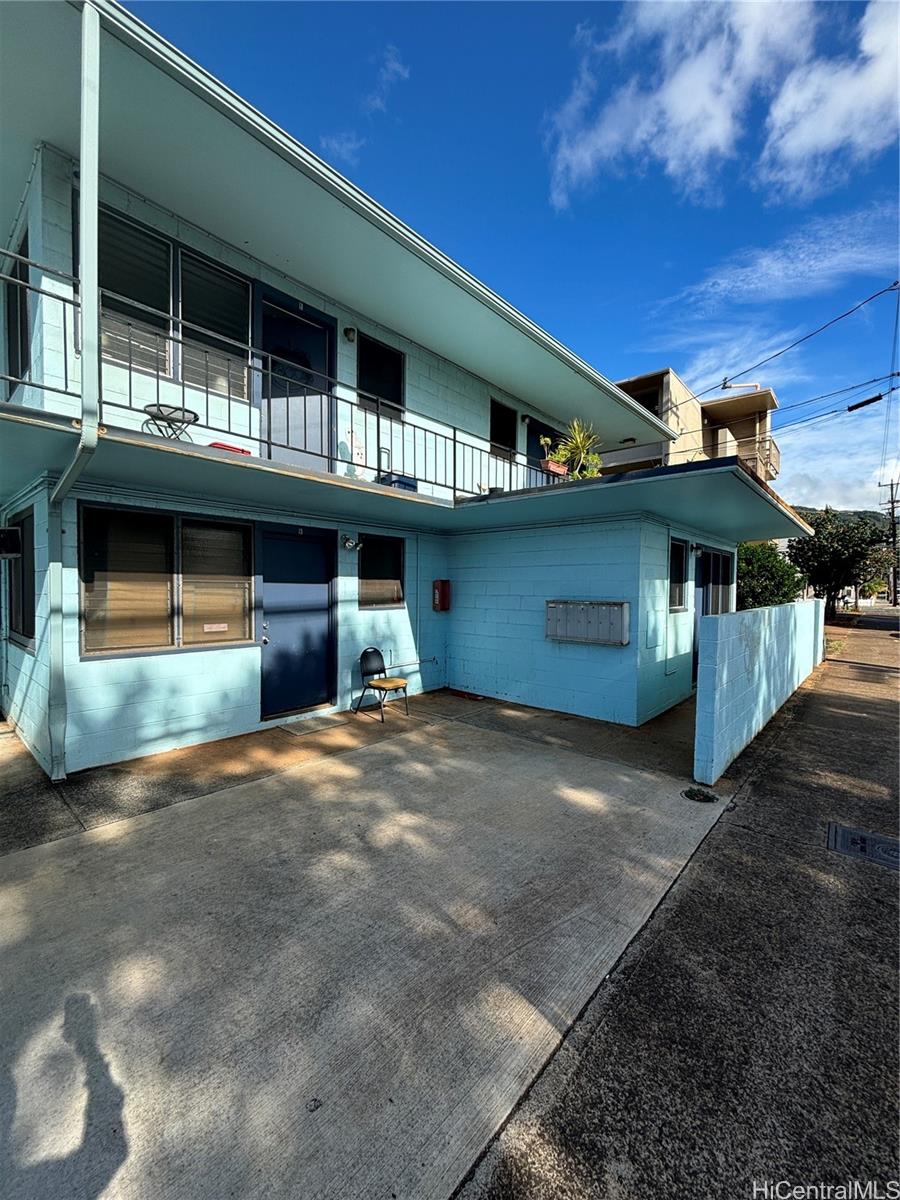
[891,506]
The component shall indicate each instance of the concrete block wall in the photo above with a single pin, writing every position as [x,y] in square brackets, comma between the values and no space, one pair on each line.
[501,582]
[46,215]
[25,681]
[121,707]
[751,662]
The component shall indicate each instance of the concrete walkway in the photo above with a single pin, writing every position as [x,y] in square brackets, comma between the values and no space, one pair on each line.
[330,979]
[33,810]
[751,1030]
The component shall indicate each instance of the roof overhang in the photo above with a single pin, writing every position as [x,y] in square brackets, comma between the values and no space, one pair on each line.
[254,187]
[724,500]
[745,404]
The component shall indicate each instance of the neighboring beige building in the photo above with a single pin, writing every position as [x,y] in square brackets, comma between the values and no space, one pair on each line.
[736,424]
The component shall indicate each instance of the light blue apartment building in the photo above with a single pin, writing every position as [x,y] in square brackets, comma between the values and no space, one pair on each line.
[248,418]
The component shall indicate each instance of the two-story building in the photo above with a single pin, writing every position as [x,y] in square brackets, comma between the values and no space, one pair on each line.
[248,417]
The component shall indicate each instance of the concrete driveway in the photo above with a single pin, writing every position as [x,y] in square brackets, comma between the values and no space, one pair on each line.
[334,981]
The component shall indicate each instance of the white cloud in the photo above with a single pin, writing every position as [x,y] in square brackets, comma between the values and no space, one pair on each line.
[833,462]
[821,255]
[708,64]
[391,71]
[711,352]
[343,147]
[832,114]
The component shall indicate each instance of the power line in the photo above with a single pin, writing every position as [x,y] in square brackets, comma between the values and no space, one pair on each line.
[805,338]
[828,324]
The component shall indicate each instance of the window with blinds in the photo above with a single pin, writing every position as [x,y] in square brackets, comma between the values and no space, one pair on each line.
[219,303]
[135,275]
[154,582]
[20,582]
[380,572]
[127,573]
[215,582]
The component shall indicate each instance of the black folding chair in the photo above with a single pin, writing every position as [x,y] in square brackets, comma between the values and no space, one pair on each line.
[371,663]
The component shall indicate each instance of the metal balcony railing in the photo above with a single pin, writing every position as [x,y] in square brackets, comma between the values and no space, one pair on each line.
[170,378]
[42,331]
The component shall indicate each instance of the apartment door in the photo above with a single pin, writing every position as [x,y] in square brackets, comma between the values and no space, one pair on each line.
[297,571]
[296,368]
[713,577]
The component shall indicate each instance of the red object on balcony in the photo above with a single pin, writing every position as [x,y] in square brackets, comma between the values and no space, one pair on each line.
[225,446]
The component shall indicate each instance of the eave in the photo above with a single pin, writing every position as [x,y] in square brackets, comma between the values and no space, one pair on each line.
[721,499]
[160,111]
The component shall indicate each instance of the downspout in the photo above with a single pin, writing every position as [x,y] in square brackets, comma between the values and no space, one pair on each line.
[89,296]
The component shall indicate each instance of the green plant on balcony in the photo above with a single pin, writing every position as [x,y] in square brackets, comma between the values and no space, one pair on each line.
[576,452]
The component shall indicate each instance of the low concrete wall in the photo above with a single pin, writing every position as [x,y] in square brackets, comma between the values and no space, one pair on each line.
[750,663]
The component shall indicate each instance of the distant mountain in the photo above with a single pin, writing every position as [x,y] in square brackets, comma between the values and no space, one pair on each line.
[847,514]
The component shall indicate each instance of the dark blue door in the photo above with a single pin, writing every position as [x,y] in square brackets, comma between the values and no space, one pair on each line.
[298,666]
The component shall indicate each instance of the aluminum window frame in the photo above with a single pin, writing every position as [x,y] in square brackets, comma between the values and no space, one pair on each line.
[178,647]
[23,640]
[686,553]
[394,604]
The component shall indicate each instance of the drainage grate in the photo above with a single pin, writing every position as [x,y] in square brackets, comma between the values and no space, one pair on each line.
[875,847]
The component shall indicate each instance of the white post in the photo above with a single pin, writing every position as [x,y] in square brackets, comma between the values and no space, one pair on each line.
[89,297]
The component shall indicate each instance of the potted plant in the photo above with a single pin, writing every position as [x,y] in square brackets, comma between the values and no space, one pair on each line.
[551,463]
[576,452]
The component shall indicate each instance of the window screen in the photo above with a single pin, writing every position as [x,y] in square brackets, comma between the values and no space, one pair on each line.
[127,580]
[220,304]
[215,582]
[134,265]
[379,371]
[21,581]
[18,342]
[380,571]
[503,427]
[678,555]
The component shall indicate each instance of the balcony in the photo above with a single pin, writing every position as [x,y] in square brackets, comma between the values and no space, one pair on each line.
[172,380]
[762,456]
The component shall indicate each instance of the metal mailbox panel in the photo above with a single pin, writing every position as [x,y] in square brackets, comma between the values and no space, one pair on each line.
[601,622]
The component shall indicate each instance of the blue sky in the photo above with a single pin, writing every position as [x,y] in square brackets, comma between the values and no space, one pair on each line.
[691,185]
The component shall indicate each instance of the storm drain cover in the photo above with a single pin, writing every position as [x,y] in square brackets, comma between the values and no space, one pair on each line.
[875,847]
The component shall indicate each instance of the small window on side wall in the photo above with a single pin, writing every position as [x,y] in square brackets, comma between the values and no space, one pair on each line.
[18,339]
[504,429]
[678,559]
[20,578]
[380,572]
[379,373]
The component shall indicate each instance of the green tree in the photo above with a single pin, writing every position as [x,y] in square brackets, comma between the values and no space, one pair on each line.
[765,577]
[838,556]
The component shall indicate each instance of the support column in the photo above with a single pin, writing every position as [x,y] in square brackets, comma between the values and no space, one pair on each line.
[89,298]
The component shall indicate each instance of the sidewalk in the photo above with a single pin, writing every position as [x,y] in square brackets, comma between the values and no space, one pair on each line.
[750,1031]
